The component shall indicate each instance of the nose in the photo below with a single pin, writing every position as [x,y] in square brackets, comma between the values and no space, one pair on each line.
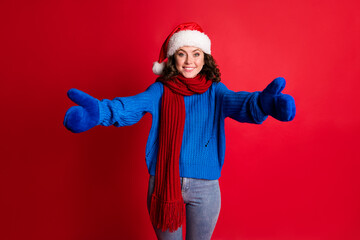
[188,59]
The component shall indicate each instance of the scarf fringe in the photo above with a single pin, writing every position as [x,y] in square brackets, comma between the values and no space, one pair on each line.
[167,214]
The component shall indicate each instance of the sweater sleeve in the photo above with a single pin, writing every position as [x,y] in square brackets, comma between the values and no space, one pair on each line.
[126,111]
[240,106]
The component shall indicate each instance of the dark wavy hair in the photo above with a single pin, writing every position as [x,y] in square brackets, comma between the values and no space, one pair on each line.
[210,69]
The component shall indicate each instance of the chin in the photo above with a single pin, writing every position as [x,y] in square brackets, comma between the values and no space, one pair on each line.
[189,75]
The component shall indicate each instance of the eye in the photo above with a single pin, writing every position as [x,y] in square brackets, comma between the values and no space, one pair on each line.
[197,54]
[180,54]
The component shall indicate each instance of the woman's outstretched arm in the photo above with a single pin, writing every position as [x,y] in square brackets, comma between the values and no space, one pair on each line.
[121,111]
[254,107]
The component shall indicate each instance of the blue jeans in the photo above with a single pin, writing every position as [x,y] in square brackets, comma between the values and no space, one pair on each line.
[202,202]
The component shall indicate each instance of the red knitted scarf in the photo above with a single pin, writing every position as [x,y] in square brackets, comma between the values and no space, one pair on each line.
[167,209]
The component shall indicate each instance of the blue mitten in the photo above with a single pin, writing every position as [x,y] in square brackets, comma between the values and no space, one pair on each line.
[83,117]
[276,104]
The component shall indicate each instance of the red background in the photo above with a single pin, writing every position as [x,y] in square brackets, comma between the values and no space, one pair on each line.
[280,181]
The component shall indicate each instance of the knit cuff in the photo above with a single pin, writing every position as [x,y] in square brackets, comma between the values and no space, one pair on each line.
[257,113]
[104,112]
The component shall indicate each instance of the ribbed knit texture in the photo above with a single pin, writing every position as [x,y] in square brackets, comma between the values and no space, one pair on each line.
[203,145]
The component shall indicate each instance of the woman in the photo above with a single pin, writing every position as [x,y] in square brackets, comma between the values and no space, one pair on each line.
[186,144]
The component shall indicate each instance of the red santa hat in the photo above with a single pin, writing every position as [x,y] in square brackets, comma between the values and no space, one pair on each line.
[186,34]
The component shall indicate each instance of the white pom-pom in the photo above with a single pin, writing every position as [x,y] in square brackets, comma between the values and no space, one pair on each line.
[158,68]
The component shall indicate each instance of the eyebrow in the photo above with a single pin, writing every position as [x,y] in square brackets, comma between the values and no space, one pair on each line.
[198,49]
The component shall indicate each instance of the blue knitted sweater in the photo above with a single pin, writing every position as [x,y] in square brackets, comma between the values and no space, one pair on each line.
[203,145]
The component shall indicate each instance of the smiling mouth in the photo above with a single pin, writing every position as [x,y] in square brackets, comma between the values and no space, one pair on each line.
[188,69]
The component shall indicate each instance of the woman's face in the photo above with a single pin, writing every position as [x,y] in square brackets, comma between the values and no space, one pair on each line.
[189,61]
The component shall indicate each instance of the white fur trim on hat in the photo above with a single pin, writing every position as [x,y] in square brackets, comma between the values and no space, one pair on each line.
[158,68]
[191,38]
